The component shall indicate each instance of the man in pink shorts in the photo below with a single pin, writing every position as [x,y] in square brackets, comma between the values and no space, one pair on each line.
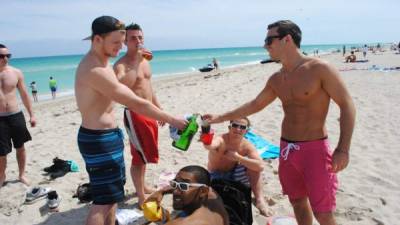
[305,86]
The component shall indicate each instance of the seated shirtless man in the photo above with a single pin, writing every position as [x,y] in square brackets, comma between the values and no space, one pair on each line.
[351,58]
[233,157]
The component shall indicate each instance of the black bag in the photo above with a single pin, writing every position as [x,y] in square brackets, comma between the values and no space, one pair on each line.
[83,193]
[237,200]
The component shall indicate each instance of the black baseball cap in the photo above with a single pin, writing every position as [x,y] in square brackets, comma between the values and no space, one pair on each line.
[105,24]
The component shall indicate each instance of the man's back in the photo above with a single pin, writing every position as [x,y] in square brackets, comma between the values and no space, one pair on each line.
[305,101]
[9,79]
[96,109]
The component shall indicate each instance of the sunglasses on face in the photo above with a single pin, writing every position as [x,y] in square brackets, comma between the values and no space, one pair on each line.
[2,56]
[268,40]
[184,186]
[240,126]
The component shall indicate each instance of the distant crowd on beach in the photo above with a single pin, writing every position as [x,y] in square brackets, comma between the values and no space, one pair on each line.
[308,166]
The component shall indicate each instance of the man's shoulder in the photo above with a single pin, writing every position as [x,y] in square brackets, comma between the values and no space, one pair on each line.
[13,70]
[121,62]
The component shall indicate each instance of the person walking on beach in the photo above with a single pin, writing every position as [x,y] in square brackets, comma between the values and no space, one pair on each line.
[232,157]
[215,63]
[134,71]
[344,50]
[100,141]
[365,50]
[305,86]
[53,87]
[12,121]
[34,91]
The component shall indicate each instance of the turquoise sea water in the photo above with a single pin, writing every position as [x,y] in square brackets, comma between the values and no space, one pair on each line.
[164,63]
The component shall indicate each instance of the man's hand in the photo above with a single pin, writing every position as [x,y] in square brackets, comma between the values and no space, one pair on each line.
[32,121]
[179,123]
[340,160]
[161,123]
[211,118]
[231,156]
[155,196]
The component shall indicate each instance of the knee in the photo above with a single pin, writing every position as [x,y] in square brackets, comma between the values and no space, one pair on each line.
[325,218]
[301,203]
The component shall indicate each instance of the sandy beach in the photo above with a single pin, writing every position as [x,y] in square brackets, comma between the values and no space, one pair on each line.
[368,189]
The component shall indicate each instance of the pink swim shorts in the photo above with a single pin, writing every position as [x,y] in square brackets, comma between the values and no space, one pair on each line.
[305,171]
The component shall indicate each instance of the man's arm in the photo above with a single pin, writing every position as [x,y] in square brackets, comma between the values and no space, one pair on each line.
[119,69]
[109,86]
[215,144]
[251,160]
[264,98]
[26,100]
[335,87]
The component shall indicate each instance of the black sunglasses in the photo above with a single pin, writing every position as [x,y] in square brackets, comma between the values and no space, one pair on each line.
[268,40]
[240,126]
[2,56]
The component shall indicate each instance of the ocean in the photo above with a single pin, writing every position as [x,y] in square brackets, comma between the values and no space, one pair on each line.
[164,63]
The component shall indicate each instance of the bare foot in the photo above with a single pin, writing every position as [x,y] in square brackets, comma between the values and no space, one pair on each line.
[262,207]
[24,180]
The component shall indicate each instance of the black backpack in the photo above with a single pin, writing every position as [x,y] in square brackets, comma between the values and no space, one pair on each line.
[237,200]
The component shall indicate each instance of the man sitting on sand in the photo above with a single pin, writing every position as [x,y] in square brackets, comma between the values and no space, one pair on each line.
[233,157]
[12,120]
[351,57]
[193,195]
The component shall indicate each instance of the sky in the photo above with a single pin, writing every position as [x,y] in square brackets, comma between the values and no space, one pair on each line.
[32,28]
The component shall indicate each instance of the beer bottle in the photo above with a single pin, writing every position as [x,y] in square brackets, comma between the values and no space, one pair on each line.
[187,134]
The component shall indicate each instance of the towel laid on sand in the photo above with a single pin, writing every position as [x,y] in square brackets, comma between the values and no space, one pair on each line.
[266,149]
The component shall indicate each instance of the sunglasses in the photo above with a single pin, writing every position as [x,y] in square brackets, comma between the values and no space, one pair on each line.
[268,40]
[2,56]
[184,186]
[240,126]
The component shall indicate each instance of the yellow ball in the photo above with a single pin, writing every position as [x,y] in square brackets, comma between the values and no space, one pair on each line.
[152,211]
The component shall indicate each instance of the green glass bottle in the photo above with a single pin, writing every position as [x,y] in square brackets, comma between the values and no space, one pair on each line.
[185,138]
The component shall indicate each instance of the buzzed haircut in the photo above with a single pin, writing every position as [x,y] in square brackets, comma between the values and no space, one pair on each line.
[201,175]
[2,46]
[244,118]
[286,27]
[133,26]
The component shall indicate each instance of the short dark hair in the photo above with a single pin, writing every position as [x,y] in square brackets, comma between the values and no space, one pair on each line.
[133,26]
[245,118]
[201,175]
[2,46]
[286,27]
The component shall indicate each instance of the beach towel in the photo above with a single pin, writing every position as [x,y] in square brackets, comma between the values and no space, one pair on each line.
[164,179]
[266,149]
[127,216]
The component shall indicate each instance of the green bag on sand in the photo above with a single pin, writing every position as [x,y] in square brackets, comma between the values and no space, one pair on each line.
[73,166]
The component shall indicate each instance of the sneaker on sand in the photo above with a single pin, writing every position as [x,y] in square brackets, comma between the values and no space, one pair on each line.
[53,200]
[36,193]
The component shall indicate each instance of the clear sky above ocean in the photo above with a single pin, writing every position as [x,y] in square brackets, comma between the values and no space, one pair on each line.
[48,27]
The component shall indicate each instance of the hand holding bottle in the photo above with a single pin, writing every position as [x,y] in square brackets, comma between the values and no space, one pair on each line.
[147,54]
